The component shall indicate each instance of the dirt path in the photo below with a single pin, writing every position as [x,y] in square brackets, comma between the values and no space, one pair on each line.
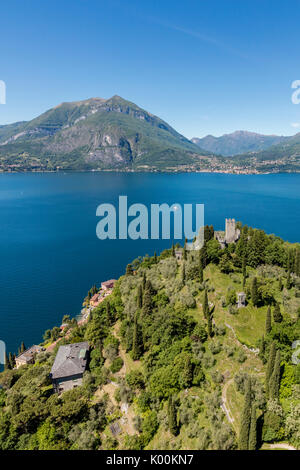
[282,445]
[128,415]
[224,402]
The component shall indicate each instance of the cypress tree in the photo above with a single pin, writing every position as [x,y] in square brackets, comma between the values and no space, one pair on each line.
[23,347]
[147,299]
[244,267]
[7,365]
[270,367]
[205,307]
[173,250]
[203,254]
[297,263]
[137,343]
[155,257]
[263,350]
[253,430]
[109,314]
[172,418]
[268,321]
[144,281]
[277,317]
[183,273]
[209,325]
[140,297]
[129,270]
[288,280]
[11,360]
[275,378]
[187,372]
[246,419]
[254,292]
[184,255]
[200,271]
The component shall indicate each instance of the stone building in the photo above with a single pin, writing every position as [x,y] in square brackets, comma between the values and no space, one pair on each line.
[69,366]
[231,234]
[241,302]
[178,255]
[28,356]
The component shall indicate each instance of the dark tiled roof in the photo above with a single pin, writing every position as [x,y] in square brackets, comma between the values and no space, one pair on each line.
[29,353]
[70,360]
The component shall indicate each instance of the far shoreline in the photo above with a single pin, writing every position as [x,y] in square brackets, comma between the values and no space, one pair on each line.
[170,172]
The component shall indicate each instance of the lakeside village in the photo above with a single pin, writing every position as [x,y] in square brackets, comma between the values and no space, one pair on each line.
[71,360]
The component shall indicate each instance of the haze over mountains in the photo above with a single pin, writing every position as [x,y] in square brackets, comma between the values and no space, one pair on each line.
[238,142]
[116,134]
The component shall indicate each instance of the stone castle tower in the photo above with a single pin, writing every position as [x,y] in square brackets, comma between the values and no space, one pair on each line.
[232,234]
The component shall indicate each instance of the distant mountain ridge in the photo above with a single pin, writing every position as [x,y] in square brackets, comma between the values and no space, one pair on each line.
[116,134]
[237,142]
[95,133]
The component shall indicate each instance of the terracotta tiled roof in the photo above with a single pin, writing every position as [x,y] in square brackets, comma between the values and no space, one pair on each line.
[109,284]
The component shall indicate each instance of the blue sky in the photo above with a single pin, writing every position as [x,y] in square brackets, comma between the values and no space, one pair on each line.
[204,66]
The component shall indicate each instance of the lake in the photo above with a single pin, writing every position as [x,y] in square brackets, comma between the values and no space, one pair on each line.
[50,255]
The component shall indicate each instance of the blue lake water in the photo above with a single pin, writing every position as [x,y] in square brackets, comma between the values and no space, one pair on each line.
[50,255]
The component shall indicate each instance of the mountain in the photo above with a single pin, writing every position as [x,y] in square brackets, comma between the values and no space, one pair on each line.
[115,134]
[282,157]
[288,148]
[237,142]
[95,134]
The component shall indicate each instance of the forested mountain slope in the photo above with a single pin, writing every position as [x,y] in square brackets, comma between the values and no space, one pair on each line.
[174,364]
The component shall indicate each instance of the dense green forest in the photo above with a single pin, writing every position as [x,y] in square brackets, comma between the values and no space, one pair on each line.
[174,364]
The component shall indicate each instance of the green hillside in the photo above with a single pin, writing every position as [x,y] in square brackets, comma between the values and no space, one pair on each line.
[174,364]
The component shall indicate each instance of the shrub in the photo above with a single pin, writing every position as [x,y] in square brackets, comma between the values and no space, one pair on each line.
[117,395]
[116,365]
[273,429]
[215,347]
[241,356]
[208,361]
[232,309]
[135,379]
[229,350]
[220,330]
[217,377]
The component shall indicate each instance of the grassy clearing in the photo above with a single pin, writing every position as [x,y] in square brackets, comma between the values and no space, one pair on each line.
[248,324]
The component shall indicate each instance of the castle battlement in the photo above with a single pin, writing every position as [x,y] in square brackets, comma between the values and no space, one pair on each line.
[232,234]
